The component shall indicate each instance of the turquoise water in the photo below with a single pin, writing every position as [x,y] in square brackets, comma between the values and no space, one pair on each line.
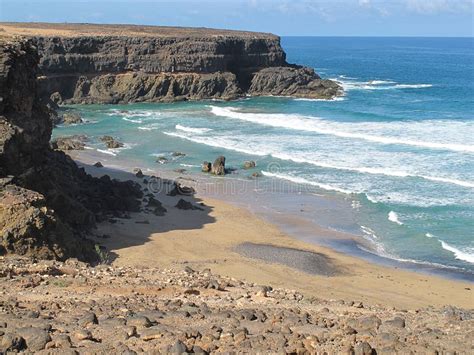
[399,145]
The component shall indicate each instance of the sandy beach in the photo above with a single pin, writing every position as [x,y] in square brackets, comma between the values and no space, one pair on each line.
[231,241]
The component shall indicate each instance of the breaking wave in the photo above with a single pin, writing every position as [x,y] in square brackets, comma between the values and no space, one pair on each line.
[315,124]
[299,180]
[393,217]
[192,129]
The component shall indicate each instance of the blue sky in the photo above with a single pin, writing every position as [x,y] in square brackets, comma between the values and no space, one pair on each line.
[283,17]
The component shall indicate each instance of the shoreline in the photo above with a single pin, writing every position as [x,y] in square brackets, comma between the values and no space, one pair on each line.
[323,220]
[218,239]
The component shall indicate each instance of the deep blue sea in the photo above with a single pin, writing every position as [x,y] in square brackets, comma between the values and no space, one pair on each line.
[399,145]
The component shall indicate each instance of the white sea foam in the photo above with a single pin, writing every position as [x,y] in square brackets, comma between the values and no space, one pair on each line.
[125,118]
[192,129]
[147,128]
[106,152]
[374,171]
[458,254]
[349,84]
[315,124]
[299,180]
[393,217]
[337,98]
[381,82]
[369,232]
[412,86]
[220,142]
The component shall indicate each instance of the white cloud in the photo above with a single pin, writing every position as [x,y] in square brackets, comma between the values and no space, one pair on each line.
[439,6]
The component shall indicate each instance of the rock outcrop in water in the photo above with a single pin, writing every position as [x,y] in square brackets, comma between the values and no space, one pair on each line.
[46,202]
[120,64]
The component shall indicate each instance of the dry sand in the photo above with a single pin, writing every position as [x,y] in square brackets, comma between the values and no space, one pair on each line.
[218,238]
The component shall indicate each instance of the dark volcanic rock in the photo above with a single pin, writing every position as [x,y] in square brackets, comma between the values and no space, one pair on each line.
[68,118]
[76,142]
[186,205]
[293,81]
[218,167]
[249,164]
[206,167]
[48,203]
[29,227]
[111,142]
[119,64]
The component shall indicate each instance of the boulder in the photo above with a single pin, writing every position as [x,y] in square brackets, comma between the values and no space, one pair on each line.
[249,164]
[111,142]
[156,206]
[206,167]
[76,142]
[162,160]
[71,118]
[35,338]
[138,172]
[98,165]
[179,189]
[218,167]
[186,205]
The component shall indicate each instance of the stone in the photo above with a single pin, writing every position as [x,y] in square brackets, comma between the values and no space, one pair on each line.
[218,167]
[179,189]
[87,319]
[139,322]
[76,142]
[151,333]
[396,322]
[111,142]
[178,348]
[363,348]
[249,164]
[12,342]
[35,338]
[98,165]
[138,173]
[162,160]
[206,167]
[82,334]
[70,117]
[186,205]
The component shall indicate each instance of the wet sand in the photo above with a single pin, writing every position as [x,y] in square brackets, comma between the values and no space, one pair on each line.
[231,241]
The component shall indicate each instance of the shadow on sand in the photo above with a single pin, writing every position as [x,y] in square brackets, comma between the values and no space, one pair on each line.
[166,205]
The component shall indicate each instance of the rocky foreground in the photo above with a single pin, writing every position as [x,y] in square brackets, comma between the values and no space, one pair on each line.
[70,307]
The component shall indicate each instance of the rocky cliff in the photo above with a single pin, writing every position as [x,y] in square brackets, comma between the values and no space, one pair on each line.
[118,64]
[46,202]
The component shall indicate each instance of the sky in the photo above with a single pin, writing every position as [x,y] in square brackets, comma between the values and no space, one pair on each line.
[438,18]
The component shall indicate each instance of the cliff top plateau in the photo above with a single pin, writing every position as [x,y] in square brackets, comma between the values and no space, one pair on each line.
[87,29]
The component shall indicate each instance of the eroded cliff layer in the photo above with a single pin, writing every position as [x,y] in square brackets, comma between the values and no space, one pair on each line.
[118,64]
[46,201]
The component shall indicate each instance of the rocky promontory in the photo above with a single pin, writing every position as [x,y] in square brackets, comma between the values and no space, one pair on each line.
[83,63]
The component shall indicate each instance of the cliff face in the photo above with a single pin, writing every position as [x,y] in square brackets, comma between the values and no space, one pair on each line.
[46,201]
[111,54]
[120,64]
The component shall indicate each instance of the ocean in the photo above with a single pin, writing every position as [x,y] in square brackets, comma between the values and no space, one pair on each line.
[397,149]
